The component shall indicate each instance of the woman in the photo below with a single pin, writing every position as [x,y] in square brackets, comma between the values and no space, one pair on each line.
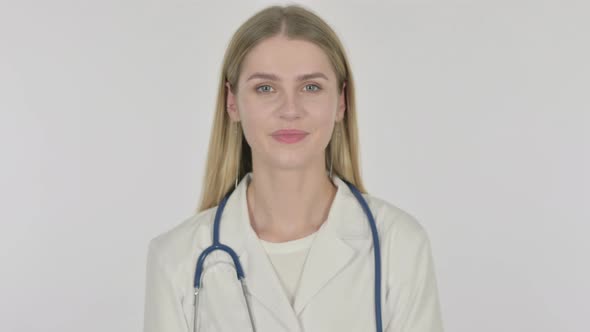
[285,129]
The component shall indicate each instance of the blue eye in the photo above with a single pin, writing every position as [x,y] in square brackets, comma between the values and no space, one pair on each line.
[318,88]
[257,89]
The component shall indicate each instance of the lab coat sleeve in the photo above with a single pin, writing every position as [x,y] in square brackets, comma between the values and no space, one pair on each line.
[417,304]
[162,309]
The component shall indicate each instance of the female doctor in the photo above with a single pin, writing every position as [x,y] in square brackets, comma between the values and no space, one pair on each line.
[283,151]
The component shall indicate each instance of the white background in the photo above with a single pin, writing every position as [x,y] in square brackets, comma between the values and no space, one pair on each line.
[474,117]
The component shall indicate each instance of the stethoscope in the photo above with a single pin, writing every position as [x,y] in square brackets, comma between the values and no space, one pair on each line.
[240,272]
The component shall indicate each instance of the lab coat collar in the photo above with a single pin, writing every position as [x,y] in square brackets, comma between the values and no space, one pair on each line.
[344,233]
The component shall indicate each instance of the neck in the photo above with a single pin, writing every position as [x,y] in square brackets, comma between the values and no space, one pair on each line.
[286,205]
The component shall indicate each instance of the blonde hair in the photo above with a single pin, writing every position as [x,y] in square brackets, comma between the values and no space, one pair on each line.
[229,154]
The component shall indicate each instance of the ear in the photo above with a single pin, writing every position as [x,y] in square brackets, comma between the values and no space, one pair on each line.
[230,102]
[341,103]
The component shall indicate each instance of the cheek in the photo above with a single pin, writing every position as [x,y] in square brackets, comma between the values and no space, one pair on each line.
[254,108]
[250,109]
[253,122]
[322,112]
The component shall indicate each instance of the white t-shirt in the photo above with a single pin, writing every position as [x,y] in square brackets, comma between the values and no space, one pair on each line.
[288,259]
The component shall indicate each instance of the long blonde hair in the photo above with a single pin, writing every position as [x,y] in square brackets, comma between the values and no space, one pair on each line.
[229,154]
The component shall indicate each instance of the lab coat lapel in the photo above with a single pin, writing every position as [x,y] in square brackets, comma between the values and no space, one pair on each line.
[330,253]
[264,285]
[261,280]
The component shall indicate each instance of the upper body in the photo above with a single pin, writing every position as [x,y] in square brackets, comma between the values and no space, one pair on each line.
[336,286]
[286,115]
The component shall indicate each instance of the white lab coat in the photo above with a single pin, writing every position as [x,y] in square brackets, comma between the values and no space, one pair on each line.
[336,291]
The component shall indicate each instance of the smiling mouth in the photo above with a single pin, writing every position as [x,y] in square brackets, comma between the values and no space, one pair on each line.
[290,138]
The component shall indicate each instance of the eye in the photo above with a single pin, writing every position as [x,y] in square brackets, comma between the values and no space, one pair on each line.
[315,88]
[262,86]
[314,85]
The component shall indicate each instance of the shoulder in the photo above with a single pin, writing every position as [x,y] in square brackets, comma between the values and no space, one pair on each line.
[175,246]
[393,220]
[403,238]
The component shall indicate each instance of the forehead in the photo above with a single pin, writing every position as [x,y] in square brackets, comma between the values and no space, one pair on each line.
[287,58]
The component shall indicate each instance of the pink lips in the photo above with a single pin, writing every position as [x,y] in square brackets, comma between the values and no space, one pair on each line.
[289,135]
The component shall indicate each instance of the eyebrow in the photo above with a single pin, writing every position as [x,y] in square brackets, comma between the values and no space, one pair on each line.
[274,77]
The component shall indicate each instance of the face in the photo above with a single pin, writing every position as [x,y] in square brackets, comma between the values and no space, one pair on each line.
[274,94]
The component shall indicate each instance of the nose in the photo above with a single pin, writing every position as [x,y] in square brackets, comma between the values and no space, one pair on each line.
[291,108]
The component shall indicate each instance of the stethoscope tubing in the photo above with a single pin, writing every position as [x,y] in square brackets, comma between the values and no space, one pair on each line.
[240,272]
